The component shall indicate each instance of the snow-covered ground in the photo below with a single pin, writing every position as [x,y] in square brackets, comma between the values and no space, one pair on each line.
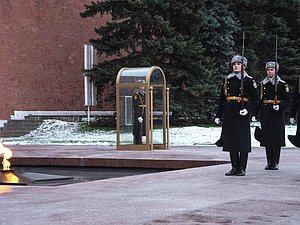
[67,133]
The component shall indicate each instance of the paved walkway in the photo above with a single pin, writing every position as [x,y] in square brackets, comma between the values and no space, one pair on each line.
[201,195]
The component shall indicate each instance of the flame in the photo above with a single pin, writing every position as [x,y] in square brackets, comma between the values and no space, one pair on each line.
[7,154]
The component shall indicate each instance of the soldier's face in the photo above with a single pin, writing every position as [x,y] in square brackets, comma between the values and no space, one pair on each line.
[237,67]
[271,72]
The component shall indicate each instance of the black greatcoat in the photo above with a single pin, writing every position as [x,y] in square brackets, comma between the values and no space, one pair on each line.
[236,136]
[138,104]
[295,113]
[272,121]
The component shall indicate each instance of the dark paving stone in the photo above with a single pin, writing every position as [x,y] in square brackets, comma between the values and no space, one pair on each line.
[54,176]
[27,178]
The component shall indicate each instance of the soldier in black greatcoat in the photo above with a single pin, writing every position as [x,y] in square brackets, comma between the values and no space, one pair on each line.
[238,98]
[295,113]
[271,110]
[138,104]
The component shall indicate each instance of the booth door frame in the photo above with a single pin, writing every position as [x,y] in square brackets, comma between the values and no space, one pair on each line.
[163,145]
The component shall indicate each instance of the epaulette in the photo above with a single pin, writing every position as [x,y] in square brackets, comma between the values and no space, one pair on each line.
[261,90]
[136,95]
[225,85]
[254,83]
[287,88]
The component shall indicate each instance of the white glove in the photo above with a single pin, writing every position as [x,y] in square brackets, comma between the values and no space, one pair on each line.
[243,112]
[292,120]
[253,119]
[140,119]
[217,121]
[276,107]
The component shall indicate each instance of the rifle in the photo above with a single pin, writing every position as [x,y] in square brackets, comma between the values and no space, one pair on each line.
[242,72]
[276,74]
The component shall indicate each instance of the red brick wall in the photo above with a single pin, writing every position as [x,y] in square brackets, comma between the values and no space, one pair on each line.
[41,54]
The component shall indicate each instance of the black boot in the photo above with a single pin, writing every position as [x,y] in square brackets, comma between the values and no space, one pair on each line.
[269,154]
[276,157]
[243,164]
[274,166]
[232,172]
[268,166]
[241,172]
[234,158]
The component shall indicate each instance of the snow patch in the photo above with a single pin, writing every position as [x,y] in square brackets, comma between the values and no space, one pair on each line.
[68,133]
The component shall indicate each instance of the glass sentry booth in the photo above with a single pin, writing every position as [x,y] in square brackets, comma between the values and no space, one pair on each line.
[142,107]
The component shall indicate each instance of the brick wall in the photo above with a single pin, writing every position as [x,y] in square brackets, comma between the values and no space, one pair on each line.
[41,54]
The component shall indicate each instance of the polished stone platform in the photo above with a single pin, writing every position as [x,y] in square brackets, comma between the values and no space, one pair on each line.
[108,156]
[199,195]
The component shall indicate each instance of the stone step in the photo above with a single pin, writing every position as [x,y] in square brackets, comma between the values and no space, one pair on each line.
[63,118]
[21,123]
[14,133]
[17,128]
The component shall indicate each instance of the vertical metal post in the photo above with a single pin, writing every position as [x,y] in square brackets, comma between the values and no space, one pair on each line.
[151,118]
[118,110]
[88,114]
[168,117]
[89,85]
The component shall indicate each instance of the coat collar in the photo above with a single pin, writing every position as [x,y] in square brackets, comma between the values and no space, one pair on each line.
[238,75]
[271,80]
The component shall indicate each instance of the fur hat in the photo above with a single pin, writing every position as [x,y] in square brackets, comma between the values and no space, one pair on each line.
[240,59]
[272,64]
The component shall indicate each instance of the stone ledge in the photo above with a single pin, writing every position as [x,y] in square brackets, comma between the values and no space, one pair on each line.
[116,163]
[20,115]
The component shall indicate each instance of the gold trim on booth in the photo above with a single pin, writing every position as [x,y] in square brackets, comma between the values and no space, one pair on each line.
[149,110]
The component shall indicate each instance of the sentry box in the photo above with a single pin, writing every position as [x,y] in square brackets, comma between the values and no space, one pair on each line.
[142,107]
